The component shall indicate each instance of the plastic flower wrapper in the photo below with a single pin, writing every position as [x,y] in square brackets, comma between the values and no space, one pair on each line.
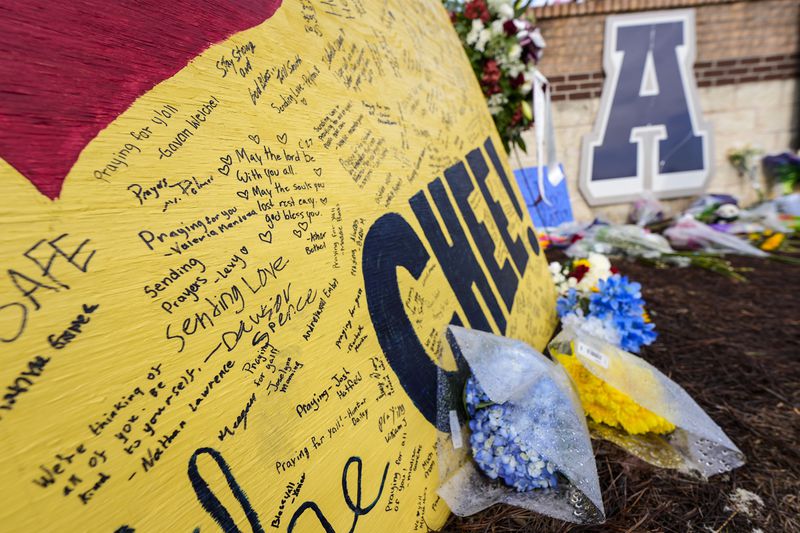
[769,213]
[646,210]
[637,243]
[632,404]
[690,233]
[512,431]
[788,204]
[629,240]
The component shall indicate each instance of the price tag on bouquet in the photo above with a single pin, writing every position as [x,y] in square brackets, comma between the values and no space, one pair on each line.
[595,356]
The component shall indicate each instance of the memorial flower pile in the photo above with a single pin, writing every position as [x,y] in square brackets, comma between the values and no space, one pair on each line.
[503,46]
[498,448]
[595,299]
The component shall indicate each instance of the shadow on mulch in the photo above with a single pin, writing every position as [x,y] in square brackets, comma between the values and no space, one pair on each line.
[735,348]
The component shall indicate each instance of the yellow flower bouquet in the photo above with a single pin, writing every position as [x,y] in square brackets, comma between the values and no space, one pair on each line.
[632,404]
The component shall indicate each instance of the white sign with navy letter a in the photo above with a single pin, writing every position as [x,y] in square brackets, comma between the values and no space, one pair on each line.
[649,134]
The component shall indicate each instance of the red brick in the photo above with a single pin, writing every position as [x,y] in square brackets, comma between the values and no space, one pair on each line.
[785,60]
[726,63]
[580,95]
[769,77]
[786,68]
[558,97]
[579,77]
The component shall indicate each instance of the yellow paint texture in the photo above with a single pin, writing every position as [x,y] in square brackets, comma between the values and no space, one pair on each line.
[202,310]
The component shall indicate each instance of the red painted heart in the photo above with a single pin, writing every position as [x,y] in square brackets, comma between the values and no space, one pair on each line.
[70,68]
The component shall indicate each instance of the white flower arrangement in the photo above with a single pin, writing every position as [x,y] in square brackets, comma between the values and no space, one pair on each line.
[599,268]
[503,46]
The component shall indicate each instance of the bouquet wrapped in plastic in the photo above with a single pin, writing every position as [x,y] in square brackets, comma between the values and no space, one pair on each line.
[517,432]
[632,404]
[628,240]
[690,233]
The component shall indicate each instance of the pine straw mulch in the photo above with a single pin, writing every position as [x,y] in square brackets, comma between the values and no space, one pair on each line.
[735,347]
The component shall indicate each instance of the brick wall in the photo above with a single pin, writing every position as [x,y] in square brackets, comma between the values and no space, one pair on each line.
[737,42]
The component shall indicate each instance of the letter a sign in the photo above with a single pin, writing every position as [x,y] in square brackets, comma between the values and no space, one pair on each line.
[649,134]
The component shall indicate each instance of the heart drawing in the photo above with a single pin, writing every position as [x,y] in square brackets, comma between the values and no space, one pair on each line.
[91,64]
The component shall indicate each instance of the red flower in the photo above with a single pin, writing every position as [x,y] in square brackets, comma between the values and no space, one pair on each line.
[516,118]
[517,81]
[476,9]
[579,271]
[491,72]
[453,16]
[510,28]
[614,270]
[491,77]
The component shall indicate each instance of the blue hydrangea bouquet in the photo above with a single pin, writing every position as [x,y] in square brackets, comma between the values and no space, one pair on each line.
[498,447]
[512,431]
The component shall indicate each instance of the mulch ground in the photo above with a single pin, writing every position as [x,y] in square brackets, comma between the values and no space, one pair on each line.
[735,348]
